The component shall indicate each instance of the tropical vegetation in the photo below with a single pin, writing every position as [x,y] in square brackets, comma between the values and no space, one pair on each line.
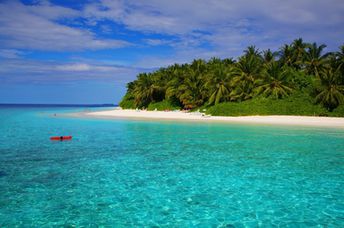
[299,79]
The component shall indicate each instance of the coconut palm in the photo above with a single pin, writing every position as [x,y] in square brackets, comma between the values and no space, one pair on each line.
[198,66]
[131,86]
[340,54]
[330,92]
[241,92]
[178,75]
[337,61]
[219,84]
[340,60]
[144,90]
[314,59]
[286,55]
[246,72]
[228,61]
[275,81]
[164,76]
[213,62]
[186,87]
[299,51]
[268,56]
[252,51]
[190,92]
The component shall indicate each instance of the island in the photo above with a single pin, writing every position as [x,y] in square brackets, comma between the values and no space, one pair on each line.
[300,79]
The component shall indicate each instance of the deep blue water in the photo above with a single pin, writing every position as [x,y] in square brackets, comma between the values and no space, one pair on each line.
[123,173]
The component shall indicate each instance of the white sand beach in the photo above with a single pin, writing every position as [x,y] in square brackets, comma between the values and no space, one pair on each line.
[331,122]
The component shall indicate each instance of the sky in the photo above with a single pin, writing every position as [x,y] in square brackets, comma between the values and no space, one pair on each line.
[84,52]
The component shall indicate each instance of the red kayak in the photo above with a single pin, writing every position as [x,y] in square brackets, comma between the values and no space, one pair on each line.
[61,138]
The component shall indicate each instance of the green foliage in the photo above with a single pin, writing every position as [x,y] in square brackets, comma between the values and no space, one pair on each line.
[298,53]
[127,102]
[266,82]
[247,73]
[330,93]
[275,81]
[314,60]
[269,56]
[219,84]
[297,104]
[164,105]
[338,112]
[300,80]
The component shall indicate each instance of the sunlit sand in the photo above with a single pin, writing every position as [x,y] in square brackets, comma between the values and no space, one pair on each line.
[197,116]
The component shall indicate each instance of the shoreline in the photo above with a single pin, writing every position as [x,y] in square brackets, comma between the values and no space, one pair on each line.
[312,121]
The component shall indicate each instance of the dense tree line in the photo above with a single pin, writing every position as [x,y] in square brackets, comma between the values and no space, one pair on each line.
[296,67]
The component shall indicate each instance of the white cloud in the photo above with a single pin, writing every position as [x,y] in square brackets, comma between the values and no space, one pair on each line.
[192,29]
[158,42]
[191,23]
[49,11]
[10,53]
[184,16]
[33,71]
[74,67]
[223,28]
[30,27]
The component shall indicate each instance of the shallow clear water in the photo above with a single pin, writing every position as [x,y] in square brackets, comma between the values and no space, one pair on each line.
[140,173]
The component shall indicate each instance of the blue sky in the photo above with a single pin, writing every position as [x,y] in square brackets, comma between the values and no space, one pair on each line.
[85,52]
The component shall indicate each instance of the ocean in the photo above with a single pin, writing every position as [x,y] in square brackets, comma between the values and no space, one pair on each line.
[131,173]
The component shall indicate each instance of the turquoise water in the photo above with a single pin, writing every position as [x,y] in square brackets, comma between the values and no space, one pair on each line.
[138,173]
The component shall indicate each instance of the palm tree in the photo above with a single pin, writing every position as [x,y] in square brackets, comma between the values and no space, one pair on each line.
[314,59]
[268,56]
[274,82]
[340,59]
[228,61]
[165,78]
[190,92]
[213,62]
[246,72]
[252,51]
[241,92]
[298,48]
[286,55]
[330,92]
[131,86]
[199,66]
[186,87]
[144,90]
[178,74]
[128,101]
[219,84]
